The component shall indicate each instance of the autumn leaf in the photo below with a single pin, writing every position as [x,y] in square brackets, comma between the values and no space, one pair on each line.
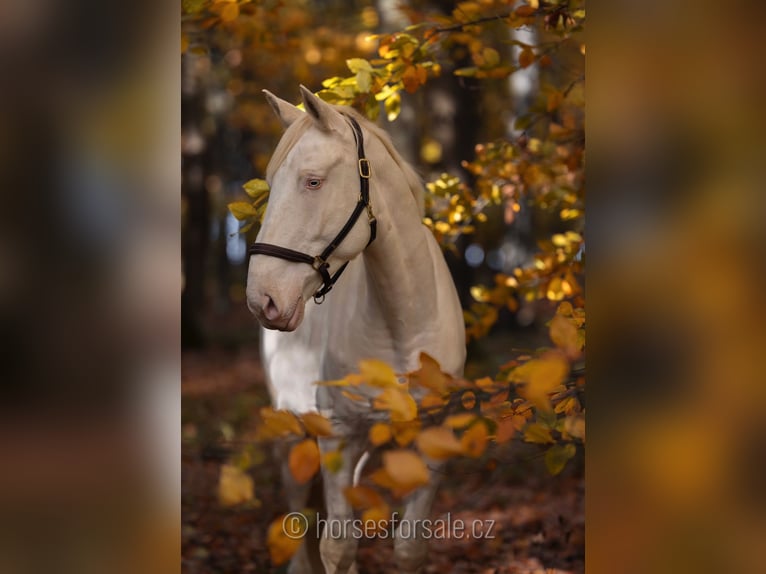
[526,57]
[256,188]
[430,375]
[563,333]
[438,443]
[537,433]
[234,486]
[242,210]
[377,373]
[380,433]
[405,468]
[405,432]
[556,457]
[376,518]
[304,460]
[459,421]
[474,440]
[281,546]
[361,497]
[398,402]
[280,423]
[508,427]
[539,377]
[316,424]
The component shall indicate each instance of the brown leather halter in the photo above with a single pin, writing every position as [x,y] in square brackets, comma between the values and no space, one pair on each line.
[319,262]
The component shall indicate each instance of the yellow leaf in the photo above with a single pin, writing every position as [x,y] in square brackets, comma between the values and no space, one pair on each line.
[474,440]
[556,457]
[375,520]
[563,333]
[282,546]
[537,433]
[432,401]
[256,187]
[304,460]
[406,469]
[398,402]
[539,377]
[332,461]
[377,373]
[380,433]
[405,432]
[242,210]
[358,64]
[430,375]
[361,497]
[316,424]
[280,423]
[230,12]
[234,486]
[459,421]
[438,443]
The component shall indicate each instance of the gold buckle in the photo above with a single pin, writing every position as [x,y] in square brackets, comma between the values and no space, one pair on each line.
[318,263]
[364,168]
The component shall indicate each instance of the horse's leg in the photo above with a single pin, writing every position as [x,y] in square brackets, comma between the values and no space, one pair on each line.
[338,545]
[297,501]
[411,550]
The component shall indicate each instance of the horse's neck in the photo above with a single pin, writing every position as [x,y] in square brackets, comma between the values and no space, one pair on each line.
[409,290]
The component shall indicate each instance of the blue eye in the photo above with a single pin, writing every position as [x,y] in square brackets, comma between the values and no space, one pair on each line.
[313,183]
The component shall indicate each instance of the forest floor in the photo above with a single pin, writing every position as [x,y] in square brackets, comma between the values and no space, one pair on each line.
[538,521]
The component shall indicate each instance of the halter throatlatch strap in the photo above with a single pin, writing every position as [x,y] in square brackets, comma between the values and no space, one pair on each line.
[319,262]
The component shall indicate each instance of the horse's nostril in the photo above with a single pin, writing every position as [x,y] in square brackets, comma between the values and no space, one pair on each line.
[270,309]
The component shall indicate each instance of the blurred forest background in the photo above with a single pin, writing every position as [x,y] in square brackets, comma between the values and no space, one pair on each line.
[485,99]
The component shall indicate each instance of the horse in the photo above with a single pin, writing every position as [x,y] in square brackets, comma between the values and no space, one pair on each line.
[343,269]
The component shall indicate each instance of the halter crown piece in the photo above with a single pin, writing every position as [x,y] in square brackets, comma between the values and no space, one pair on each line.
[319,262]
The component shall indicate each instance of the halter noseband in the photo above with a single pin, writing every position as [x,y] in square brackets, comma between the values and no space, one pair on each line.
[319,262]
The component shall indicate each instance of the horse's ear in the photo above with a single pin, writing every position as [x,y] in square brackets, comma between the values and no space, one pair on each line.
[324,115]
[285,111]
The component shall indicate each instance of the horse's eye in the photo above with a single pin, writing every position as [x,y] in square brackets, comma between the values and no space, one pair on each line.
[313,183]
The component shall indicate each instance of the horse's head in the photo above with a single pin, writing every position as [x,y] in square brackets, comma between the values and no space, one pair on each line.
[315,184]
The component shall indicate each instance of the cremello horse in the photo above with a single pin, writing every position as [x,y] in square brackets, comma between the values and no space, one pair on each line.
[335,178]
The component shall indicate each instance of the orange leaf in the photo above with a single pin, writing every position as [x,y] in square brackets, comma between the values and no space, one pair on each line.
[430,375]
[230,12]
[377,373]
[563,333]
[398,402]
[438,443]
[379,434]
[474,440]
[363,497]
[468,400]
[459,421]
[406,469]
[281,546]
[316,424]
[405,433]
[375,520]
[304,460]
[280,423]
[506,428]
[526,57]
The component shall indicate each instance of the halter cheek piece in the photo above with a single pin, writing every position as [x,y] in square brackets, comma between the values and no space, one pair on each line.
[319,262]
